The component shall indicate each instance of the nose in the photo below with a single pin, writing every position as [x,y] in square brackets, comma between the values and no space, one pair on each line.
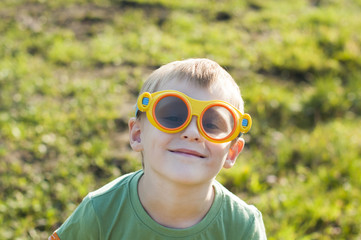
[191,132]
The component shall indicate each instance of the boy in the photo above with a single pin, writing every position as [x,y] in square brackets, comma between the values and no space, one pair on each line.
[187,127]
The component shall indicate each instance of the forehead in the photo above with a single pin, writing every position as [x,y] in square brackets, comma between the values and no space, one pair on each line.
[214,92]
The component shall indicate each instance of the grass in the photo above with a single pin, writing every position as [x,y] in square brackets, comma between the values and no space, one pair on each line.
[70,72]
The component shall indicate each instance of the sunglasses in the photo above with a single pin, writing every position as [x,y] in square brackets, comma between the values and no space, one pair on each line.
[171,111]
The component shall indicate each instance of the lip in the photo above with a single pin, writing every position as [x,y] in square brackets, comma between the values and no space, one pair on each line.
[188,152]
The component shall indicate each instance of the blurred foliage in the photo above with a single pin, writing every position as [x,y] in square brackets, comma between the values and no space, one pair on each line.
[70,72]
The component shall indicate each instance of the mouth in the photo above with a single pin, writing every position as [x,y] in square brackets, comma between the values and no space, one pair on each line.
[188,152]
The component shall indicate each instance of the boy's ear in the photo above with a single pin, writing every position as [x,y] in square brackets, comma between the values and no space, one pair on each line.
[135,140]
[233,153]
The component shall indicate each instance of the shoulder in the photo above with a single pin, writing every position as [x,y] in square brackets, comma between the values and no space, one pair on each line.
[117,184]
[237,205]
[247,219]
[81,224]
[107,199]
[97,209]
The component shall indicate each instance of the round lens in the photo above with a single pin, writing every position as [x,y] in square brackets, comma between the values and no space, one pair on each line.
[218,122]
[171,112]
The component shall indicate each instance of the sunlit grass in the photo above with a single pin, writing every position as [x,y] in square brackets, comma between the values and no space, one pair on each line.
[69,75]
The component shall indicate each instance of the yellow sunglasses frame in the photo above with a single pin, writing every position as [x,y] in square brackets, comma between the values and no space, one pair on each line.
[147,102]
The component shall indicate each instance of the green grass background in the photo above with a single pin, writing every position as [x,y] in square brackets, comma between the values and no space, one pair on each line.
[70,72]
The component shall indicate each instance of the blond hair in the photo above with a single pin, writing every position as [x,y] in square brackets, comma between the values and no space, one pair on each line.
[201,72]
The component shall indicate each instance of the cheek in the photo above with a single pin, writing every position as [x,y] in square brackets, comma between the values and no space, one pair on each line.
[219,155]
[219,150]
[154,139]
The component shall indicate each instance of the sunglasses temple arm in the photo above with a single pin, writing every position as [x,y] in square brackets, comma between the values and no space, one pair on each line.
[136,111]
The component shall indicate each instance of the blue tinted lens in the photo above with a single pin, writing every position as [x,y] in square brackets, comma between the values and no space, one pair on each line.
[171,112]
[218,122]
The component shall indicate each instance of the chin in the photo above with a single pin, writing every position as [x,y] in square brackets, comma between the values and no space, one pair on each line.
[189,177]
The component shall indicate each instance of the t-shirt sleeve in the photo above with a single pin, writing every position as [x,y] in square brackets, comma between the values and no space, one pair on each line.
[82,223]
[256,230]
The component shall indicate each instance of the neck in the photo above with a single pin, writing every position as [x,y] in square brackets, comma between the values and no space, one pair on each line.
[175,205]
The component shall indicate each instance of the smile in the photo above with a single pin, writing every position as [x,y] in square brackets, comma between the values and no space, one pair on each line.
[188,152]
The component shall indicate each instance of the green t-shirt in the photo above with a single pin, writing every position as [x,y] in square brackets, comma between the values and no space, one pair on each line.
[115,212]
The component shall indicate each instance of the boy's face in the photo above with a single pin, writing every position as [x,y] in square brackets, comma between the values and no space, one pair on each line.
[185,157]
